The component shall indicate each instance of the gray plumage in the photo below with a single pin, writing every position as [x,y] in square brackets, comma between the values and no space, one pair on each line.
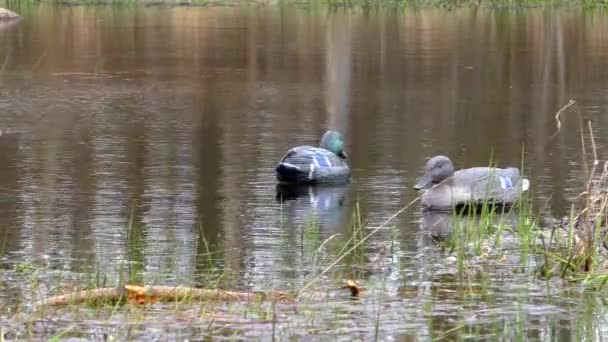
[474,186]
[308,164]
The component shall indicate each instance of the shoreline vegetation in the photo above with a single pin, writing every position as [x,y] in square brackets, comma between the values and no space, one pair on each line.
[352,4]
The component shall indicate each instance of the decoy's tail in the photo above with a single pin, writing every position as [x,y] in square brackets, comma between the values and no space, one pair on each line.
[288,171]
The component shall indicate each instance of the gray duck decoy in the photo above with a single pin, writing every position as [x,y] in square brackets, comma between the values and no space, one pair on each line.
[446,189]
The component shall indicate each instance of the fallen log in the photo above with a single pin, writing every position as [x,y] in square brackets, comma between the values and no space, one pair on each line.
[152,294]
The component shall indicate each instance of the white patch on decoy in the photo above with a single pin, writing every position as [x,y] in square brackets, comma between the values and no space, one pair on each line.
[505,183]
[525,184]
[312,169]
[314,158]
[327,160]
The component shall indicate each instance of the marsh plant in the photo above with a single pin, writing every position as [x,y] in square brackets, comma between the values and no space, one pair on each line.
[577,244]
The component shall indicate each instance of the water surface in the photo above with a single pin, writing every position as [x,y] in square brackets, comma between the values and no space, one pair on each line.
[145,138]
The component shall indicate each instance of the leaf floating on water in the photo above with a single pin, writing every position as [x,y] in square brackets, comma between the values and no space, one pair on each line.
[355,290]
[138,295]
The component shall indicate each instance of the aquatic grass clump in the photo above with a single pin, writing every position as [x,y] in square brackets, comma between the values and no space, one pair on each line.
[310,236]
[334,246]
[478,238]
[577,243]
[356,235]
[590,222]
[528,230]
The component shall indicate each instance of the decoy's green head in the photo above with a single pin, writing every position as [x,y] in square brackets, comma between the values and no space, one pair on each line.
[334,142]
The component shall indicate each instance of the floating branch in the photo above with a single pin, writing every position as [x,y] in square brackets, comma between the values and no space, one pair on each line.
[134,294]
[558,122]
[150,294]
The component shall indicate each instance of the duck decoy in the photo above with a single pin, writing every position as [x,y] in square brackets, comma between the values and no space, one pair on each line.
[6,15]
[446,189]
[323,164]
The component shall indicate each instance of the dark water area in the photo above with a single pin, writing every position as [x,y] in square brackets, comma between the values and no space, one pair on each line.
[148,137]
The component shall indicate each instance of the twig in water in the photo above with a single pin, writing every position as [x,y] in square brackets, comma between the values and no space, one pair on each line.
[39,61]
[594,150]
[5,63]
[559,123]
[326,241]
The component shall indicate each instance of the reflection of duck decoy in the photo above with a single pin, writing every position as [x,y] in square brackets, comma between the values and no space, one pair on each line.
[447,189]
[304,201]
[438,224]
[323,164]
[441,224]
[8,24]
[9,140]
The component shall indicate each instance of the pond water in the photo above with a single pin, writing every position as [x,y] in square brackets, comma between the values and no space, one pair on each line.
[146,138]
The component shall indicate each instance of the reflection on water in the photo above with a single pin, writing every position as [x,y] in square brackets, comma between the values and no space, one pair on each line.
[440,226]
[309,204]
[146,136]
